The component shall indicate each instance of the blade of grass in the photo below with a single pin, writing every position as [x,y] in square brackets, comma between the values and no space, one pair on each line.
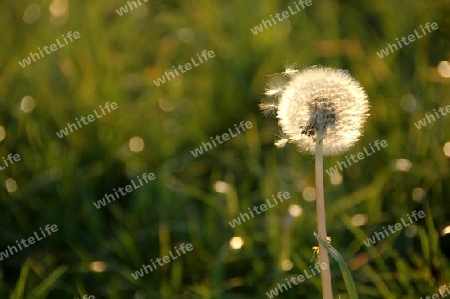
[348,279]
[42,290]
[20,286]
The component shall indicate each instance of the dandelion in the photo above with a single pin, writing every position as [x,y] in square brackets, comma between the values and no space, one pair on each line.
[318,99]
[322,111]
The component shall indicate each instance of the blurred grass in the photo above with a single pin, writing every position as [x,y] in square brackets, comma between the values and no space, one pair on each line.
[117,58]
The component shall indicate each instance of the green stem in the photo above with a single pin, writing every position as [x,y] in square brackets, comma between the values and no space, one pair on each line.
[321,219]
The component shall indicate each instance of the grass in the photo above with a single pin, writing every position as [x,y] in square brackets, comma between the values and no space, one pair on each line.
[117,58]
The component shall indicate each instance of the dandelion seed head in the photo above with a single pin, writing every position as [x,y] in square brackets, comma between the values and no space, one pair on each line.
[268,108]
[275,85]
[326,99]
[271,92]
[290,71]
[281,142]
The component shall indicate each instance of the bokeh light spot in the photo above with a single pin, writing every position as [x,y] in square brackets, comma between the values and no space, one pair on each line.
[295,210]
[186,35]
[309,194]
[58,8]
[443,69]
[141,11]
[445,230]
[27,104]
[11,185]
[402,165]
[417,194]
[166,105]
[136,144]
[97,266]
[446,149]
[2,133]
[408,103]
[32,13]
[336,178]
[236,243]
[221,187]
[411,231]
[359,220]
[286,265]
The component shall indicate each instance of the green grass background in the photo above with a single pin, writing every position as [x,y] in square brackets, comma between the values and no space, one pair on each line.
[117,58]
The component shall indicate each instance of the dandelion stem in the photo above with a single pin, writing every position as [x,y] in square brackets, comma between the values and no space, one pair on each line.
[325,274]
